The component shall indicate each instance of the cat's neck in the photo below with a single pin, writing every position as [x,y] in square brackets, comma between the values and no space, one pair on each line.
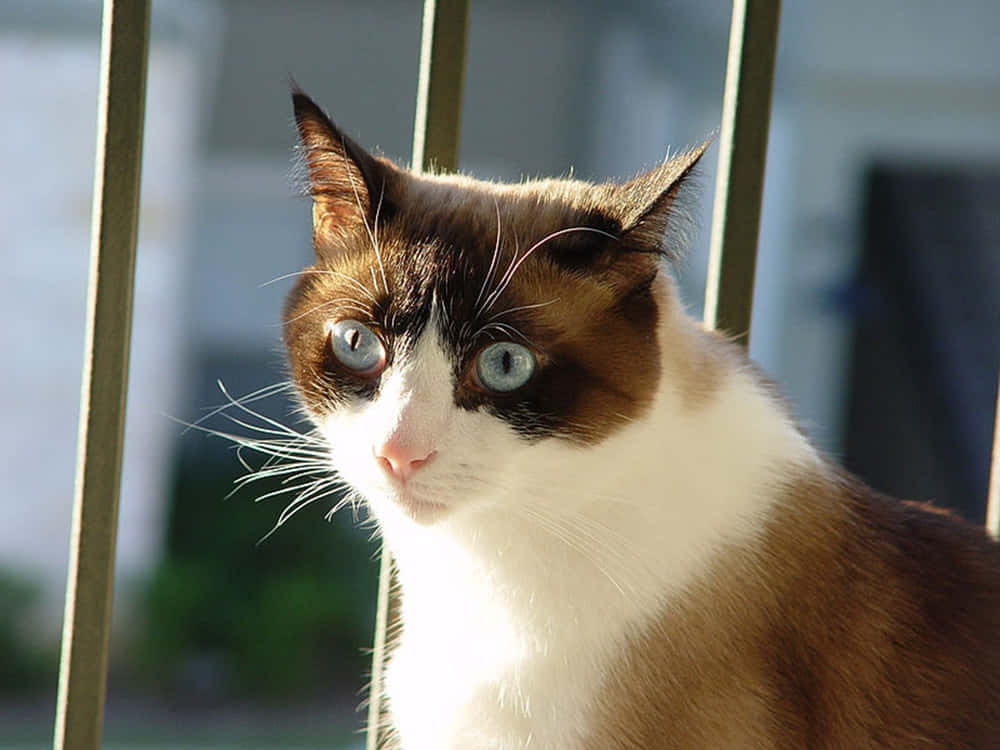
[599,548]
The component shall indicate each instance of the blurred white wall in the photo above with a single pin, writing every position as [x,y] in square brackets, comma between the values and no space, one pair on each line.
[49,58]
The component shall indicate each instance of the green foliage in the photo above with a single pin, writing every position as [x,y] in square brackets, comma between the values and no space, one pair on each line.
[228,616]
[25,664]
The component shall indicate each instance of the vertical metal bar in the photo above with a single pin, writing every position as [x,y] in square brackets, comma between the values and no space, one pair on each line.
[746,110]
[439,85]
[993,495]
[376,704]
[90,577]
[435,144]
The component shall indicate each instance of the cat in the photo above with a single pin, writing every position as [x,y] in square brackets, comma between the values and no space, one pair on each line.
[608,531]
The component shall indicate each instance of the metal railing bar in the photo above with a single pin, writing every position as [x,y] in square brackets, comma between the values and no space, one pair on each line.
[439,85]
[993,494]
[376,723]
[746,111]
[90,576]
[435,146]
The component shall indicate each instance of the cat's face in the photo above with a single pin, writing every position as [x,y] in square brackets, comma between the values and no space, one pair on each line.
[457,341]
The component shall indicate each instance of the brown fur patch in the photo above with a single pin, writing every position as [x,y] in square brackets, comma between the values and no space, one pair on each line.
[858,622]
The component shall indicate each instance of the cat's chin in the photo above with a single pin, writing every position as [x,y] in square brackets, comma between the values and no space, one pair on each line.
[415,505]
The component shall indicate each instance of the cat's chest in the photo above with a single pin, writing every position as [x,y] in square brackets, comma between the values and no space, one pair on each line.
[470,673]
[463,689]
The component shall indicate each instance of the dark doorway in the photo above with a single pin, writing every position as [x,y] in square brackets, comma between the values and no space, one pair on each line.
[927,335]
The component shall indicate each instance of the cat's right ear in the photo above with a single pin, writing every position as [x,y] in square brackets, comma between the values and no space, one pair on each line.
[344,179]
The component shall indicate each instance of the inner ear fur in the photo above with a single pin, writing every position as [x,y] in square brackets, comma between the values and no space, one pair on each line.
[648,205]
[646,219]
[345,181]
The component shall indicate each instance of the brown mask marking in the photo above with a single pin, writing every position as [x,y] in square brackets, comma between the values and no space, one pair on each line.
[570,275]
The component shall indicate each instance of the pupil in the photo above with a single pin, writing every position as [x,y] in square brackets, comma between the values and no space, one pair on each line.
[505,362]
[353,338]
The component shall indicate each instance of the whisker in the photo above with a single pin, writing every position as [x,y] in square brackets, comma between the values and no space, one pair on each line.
[324,272]
[515,265]
[581,546]
[261,445]
[493,260]
[505,328]
[261,430]
[347,302]
[298,462]
[378,210]
[261,393]
[294,470]
[364,219]
[523,307]
[304,500]
[264,447]
[308,445]
[297,472]
[284,429]
[305,487]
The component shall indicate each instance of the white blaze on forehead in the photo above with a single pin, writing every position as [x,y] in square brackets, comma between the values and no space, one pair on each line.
[415,398]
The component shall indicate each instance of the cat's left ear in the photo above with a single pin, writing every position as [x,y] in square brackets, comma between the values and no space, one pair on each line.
[648,206]
[345,181]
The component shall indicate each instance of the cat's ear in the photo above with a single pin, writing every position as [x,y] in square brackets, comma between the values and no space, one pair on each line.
[649,206]
[344,179]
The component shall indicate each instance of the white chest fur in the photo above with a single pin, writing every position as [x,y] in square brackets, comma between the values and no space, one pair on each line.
[469,673]
[510,626]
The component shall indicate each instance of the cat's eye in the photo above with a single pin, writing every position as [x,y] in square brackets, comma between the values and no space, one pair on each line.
[504,366]
[357,347]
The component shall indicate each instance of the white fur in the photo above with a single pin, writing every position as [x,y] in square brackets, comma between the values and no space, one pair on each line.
[549,555]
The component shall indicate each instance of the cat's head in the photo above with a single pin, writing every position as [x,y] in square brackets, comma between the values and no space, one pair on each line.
[456,340]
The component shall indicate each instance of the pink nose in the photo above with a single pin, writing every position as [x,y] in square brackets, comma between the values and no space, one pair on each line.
[401,460]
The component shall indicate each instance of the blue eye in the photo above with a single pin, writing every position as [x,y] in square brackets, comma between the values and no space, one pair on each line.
[357,347]
[504,366]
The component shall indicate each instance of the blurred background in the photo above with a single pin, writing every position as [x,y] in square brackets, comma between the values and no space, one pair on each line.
[877,295]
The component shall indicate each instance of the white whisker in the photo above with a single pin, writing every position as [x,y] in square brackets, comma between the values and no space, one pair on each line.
[297,462]
[505,328]
[516,264]
[357,285]
[364,219]
[493,260]
[348,303]
[318,491]
[523,307]
[261,393]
